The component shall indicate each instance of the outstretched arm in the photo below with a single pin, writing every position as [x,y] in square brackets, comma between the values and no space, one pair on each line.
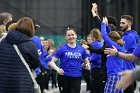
[53,65]
[114,52]
[96,18]
[96,50]
[128,77]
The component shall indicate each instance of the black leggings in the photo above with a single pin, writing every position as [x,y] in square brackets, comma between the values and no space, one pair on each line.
[69,84]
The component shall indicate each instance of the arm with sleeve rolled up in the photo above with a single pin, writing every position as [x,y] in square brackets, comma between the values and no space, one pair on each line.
[129,57]
[114,52]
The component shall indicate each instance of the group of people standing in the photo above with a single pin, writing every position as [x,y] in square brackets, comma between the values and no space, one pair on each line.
[103,71]
[125,41]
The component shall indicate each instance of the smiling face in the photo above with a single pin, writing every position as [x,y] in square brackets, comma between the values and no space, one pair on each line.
[90,39]
[71,36]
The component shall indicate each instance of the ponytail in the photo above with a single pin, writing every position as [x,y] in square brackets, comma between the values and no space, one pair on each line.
[120,42]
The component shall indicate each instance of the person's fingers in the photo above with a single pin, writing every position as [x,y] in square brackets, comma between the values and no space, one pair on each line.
[61,72]
[120,85]
[107,51]
[114,47]
[94,4]
[108,48]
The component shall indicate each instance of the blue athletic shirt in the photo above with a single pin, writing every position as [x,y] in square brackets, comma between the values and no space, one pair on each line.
[114,64]
[130,38]
[137,51]
[71,59]
[39,46]
[95,59]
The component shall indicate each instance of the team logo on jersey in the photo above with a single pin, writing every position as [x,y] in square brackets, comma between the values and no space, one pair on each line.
[73,54]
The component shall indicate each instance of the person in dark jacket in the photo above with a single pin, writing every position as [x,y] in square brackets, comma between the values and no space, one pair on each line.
[14,76]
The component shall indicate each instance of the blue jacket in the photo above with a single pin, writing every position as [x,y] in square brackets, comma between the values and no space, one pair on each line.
[114,64]
[131,38]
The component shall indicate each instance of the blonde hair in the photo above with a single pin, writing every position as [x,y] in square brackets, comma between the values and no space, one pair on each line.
[96,34]
[51,41]
[12,27]
[115,36]
[2,29]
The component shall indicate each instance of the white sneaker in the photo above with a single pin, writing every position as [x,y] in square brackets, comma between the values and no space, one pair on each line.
[46,91]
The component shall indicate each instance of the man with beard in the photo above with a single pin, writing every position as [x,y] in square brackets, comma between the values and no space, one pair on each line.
[131,38]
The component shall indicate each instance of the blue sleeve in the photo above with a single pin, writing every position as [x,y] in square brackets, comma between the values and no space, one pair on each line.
[85,55]
[49,58]
[59,53]
[94,57]
[37,71]
[44,55]
[130,43]
[37,42]
[108,41]
[108,29]
[137,51]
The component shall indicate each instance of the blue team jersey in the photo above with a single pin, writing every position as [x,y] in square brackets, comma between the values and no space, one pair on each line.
[137,51]
[131,39]
[71,59]
[95,59]
[114,64]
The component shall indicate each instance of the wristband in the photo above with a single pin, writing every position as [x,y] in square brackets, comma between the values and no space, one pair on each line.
[117,54]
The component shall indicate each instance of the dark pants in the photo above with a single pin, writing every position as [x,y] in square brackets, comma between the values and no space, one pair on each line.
[69,84]
[103,80]
[87,78]
[43,79]
[54,78]
[99,78]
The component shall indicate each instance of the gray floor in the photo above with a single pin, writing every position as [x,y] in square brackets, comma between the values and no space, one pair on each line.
[83,88]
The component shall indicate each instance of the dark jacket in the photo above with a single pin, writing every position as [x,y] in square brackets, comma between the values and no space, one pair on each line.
[14,77]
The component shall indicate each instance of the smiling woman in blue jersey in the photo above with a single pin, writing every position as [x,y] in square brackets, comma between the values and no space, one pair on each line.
[71,57]
[114,63]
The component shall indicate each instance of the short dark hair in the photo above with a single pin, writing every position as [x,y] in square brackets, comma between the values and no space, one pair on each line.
[112,27]
[71,28]
[128,18]
[112,20]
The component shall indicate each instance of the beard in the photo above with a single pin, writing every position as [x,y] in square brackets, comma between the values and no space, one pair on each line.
[124,28]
